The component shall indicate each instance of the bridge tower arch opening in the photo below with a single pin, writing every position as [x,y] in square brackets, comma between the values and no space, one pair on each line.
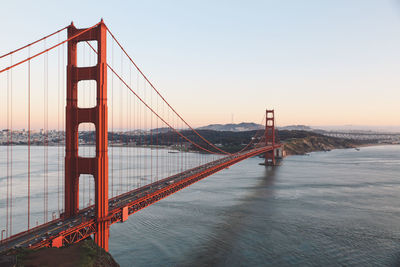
[76,165]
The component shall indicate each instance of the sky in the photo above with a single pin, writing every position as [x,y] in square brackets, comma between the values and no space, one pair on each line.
[314,62]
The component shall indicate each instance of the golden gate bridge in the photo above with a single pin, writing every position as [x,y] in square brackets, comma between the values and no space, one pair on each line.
[83,93]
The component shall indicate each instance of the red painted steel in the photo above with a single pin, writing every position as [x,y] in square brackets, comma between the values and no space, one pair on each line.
[47,50]
[35,42]
[270,159]
[57,242]
[124,214]
[75,165]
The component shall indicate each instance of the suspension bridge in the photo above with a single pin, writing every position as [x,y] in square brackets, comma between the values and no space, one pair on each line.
[88,140]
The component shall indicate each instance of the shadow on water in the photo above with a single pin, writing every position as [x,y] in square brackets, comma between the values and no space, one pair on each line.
[396,260]
[225,234]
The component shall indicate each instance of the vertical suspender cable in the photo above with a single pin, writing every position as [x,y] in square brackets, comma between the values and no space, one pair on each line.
[169,148]
[139,119]
[92,102]
[151,140]
[29,139]
[88,132]
[144,134]
[45,135]
[138,156]
[182,151]
[11,151]
[82,148]
[8,153]
[112,122]
[120,130]
[128,125]
[157,142]
[63,123]
[58,129]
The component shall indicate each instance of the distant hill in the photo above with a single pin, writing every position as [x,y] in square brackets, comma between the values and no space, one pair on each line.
[250,126]
[296,128]
[240,127]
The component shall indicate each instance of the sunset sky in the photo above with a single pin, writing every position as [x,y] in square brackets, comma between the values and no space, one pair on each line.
[314,62]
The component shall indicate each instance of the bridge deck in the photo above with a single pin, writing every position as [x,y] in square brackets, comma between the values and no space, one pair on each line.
[74,229]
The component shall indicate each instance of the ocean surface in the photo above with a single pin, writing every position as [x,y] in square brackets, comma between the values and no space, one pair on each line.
[337,208]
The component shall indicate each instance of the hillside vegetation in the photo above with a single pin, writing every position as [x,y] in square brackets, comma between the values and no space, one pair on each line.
[85,253]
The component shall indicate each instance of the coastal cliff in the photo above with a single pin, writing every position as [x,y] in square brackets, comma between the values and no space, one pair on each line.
[302,146]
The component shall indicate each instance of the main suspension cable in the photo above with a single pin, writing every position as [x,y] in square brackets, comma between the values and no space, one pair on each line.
[46,50]
[30,44]
[145,77]
[169,125]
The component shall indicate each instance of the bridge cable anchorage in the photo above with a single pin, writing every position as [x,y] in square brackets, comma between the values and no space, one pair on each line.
[154,88]
[152,110]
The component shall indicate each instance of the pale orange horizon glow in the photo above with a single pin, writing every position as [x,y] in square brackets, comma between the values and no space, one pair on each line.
[335,63]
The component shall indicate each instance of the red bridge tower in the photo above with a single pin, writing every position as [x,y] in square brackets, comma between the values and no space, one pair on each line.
[270,137]
[75,165]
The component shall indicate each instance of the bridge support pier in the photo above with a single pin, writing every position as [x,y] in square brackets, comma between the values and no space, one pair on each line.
[75,165]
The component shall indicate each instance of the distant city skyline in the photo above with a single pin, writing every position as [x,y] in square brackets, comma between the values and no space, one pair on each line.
[330,63]
[382,128]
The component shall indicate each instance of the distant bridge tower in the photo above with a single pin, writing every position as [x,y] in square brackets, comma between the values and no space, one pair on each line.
[75,165]
[270,159]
